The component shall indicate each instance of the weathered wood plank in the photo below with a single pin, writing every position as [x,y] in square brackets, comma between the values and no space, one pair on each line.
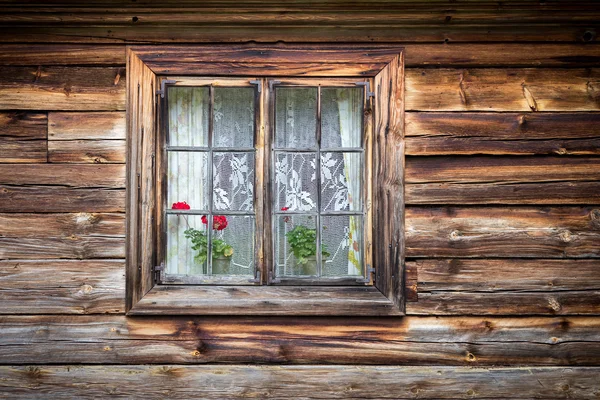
[62,88]
[555,232]
[58,199]
[265,300]
[76,176]
[62,225]
[307,382]
[36,54]
[23,137]
[451,133]
[388,181]
[464,341]
[576,302]
[62,287]
[505,275]
[502,180]
[495,89]
[86,126]
[87,151]
[502,54]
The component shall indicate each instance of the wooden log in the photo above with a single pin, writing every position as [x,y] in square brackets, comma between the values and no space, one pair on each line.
[86,126]
[87,151]
[58,199]
[502,89]
[62,287]
[62,225]
[502,180]
[502,133]
[459,341]
[72,247]
[307,382]
[506,275]
[62,88]
[549,232]
[33,54]
[76,176]
[23,137]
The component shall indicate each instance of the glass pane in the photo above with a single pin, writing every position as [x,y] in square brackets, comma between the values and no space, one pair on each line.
[341,181]
[295,245]
[233,245]
[180,257]
[234,117]
[188,116]
[187,179]
[233,181]
[342,245]
[296,181]
[295,117]
[341,117]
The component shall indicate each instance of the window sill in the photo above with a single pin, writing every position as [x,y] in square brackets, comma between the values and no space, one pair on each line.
[265,300]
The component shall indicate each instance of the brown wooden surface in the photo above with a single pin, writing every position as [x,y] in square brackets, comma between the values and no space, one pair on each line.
[87,151]
[44,54]
[502,180]
[388,181]
[458,341]
[86,125]
[23,137]
[451,133]
[307,382]
[62,287]
[495,89]
[544,232]
[265,300]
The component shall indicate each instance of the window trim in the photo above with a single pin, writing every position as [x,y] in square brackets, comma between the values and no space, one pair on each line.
[381,63]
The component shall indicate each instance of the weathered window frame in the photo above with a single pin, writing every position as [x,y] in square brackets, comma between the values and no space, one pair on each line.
[146,65]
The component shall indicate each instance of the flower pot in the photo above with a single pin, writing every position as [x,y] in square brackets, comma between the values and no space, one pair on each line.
[310,267]
[221,265]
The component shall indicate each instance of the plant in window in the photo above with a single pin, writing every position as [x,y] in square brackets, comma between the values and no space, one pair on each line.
[303,243]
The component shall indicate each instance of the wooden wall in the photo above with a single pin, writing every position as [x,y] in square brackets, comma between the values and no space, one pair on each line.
[502,218]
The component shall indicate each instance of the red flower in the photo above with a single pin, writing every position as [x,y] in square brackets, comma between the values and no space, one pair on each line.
[284,208]
[219,222]
[182,205]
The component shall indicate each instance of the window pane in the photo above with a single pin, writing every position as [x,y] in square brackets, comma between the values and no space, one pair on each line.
[187,179]
[341,117]
[234,117]
[233,181]
[233,245]
[295,181]
[342,245]
[188,116]
[341,181]
[295,117]
[180,257]
[295,245]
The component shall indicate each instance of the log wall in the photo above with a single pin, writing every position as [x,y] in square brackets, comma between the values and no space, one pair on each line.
[502,220]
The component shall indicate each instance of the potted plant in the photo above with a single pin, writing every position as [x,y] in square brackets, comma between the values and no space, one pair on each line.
[221,251]
[303,243]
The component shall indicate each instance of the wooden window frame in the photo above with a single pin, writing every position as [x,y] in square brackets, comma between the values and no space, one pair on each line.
[383,64]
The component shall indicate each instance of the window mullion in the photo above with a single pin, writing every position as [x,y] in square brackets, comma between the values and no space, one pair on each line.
[209,217]
[318,161]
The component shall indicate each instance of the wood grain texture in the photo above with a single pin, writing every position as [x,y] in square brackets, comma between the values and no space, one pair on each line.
[62,287]
[502,180]
[265,300]
[87,151]
[75,176]
[69,236]
[543,232]
[388,181]
[23,137]
[451,133]
[307,382]
[502,89]
[62,88]
[47,55]
[86,126]
[458,341]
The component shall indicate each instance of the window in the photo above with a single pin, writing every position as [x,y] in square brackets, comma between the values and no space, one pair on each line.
[272,186]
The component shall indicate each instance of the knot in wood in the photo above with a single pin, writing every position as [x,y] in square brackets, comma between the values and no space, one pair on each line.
[471,357]
[87,289]
[561,151]
[554,304]
[595,217]
[566,236]
[455,235]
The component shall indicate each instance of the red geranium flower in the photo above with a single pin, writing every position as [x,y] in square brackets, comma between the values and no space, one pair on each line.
[219,222]
[182,205]
[284,208]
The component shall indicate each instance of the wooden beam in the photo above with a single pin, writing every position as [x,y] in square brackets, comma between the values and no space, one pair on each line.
[87,151]
[458,341]
[308,382]
[23,137]
[86,126]
[547,232]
